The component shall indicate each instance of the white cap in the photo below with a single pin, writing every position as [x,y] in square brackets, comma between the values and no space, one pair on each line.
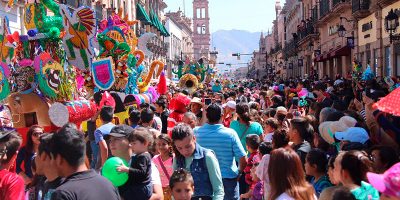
[230,104]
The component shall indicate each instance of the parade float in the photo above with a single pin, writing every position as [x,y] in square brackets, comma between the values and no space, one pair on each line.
[50,76]
[192,75]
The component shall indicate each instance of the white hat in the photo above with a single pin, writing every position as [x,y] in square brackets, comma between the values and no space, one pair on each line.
[230,104]
[328,129]
[281,109]
[196,100]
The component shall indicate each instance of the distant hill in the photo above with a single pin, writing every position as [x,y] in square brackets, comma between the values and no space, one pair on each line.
[234,41]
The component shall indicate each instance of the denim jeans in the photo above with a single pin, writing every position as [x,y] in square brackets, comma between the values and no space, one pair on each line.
[231,188]
[95,152]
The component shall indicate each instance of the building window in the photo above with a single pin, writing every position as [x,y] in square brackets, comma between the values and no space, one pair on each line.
[99,11]
[397,58]
[198,13]
[203,29]
[376,61]
[388,70]
[362,58]
[368,55]
[199,30]
[203,13]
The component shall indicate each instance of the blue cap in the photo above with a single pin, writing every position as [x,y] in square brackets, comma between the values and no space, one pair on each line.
[353,134]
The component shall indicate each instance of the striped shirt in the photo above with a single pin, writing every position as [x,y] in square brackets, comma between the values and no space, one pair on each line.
[226,145]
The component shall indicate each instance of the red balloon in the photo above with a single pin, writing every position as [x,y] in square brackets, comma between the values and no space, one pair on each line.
[10,38]
[15,36]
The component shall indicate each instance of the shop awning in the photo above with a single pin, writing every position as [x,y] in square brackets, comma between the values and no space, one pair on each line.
[157,24]
[341,51]
[142,15]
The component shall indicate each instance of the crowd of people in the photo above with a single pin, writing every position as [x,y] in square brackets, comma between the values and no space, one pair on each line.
[251,139]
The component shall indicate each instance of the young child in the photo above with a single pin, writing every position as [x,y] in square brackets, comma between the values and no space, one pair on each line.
[139,184]
[252,143]
[264,149]
[163,161]
[315,166]
[258,189]
[181,185]
[271,124]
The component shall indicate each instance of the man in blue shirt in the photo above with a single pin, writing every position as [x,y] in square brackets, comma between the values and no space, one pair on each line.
[227,147]
[217,87]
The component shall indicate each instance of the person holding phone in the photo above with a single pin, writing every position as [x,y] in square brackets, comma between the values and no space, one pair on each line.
[195,107]
[323,98]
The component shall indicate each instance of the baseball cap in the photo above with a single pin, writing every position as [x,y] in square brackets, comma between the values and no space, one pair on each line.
[119,131]
[387,183]
[353,134]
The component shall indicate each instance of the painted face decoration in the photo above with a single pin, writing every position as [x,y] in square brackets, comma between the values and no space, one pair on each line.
[49,74]
[24,76]
[53,71]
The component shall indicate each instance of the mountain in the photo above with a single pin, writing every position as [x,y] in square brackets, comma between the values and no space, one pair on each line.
[234,41]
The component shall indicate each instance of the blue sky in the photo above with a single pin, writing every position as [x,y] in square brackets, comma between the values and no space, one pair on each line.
[250,15]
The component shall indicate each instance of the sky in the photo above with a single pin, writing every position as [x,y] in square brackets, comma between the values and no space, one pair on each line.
[250,15]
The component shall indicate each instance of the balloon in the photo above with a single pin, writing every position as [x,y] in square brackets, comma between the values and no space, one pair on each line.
[15,36]
[54,32]
[110,171]
[32,33]
[10,38]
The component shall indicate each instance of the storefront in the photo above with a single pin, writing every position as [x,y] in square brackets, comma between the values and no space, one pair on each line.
[391,51]
[368,44]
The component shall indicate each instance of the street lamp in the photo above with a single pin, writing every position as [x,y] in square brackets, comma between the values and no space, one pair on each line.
[341,31]
[310,46]
[391,24]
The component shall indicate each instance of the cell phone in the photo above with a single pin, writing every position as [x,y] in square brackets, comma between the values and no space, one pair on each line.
[207,101]
[359,95]
[295,102]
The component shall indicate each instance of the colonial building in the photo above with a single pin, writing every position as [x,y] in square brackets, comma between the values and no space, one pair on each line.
[374,46]
[180,42]
[14,16]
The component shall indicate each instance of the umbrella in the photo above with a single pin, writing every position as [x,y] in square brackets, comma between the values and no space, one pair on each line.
[390,103]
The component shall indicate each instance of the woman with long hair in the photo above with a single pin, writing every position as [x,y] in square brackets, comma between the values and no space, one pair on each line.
[27,152]
[243,125]
[288,182]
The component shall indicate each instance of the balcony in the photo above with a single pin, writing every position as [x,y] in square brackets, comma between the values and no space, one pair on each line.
[290,48]
[329,9]
[307,32]
[324,8]
[276,49]
[338,6]
[314,14]
[360,8]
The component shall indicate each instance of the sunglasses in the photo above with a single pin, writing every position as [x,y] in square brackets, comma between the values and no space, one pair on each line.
[37,134]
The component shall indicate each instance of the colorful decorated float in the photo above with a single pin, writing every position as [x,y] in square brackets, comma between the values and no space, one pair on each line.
[49,76]
[192,75]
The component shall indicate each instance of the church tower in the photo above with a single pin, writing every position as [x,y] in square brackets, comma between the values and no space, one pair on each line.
[278,8]
[201,29]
